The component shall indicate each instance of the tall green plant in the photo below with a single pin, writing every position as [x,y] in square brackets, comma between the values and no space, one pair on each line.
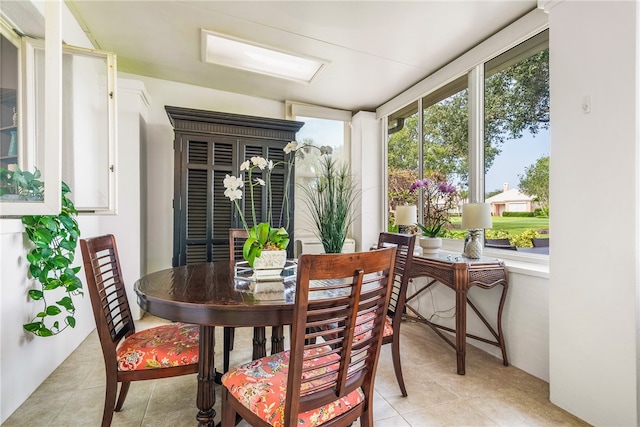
[330,200]
[55,238]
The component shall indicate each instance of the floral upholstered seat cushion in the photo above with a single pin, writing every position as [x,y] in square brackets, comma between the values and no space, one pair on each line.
[164,346]
[364,322]
[261,386]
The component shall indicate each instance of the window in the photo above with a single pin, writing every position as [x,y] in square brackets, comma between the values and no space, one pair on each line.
[327,129]
[516,148]
[486,132]
[57,118]
[29,194]
[442,156]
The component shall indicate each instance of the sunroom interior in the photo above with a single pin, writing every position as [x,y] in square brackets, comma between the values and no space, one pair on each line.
[566,322]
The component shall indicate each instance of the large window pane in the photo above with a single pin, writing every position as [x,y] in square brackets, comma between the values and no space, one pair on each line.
[442,157]
[331,137]
[445,156]
[402,159]
[10,149]
[517,142]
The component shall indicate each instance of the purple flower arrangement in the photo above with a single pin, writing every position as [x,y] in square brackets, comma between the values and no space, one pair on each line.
[439,198]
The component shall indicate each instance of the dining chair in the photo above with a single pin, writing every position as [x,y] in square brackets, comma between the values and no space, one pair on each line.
[499,244]
[540,242]
[237,237]
[404,244]
[163,351]
[323,379]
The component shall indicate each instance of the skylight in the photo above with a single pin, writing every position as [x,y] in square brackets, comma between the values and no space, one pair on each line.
[232,52]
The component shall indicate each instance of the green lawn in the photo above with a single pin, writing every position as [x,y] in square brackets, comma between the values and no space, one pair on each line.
[514,225]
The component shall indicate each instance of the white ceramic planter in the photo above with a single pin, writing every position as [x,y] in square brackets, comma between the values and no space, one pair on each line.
[430,245]
[269,265]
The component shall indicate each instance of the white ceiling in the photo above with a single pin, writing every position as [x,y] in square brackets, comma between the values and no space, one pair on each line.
[375,49]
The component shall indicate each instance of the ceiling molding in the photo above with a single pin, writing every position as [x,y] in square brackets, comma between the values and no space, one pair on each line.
[547,5]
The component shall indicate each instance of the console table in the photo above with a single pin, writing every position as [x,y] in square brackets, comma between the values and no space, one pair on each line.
[460,274]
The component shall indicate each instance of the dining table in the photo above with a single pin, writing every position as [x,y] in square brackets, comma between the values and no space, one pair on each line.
[222,294]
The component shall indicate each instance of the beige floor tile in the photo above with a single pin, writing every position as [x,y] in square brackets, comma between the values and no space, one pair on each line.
[457,413]
[490,394]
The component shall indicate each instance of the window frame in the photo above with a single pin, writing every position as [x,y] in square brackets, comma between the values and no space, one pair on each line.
[51,168]
[46,154]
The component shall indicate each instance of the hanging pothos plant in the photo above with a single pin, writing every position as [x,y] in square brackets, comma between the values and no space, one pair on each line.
[55,238]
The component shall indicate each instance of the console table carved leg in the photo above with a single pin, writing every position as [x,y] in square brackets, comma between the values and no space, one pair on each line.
[461,330]
[503,347]
[206,377]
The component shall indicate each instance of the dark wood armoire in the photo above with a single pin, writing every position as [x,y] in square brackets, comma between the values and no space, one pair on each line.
[209,145]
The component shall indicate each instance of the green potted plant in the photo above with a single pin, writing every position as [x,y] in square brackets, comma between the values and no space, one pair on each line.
[330,199]
[439,198]
[18,185]
[263,236]
[55,238]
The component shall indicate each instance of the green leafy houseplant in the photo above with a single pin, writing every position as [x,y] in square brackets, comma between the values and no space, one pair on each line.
[55,238]
[20,185]
[263,235]
[330,200]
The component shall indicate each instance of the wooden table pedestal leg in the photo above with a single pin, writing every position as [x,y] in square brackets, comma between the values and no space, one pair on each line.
[277,339]
[206,377]
[259,342]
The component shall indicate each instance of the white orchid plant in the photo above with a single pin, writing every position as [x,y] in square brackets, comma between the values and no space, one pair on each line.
[262,236]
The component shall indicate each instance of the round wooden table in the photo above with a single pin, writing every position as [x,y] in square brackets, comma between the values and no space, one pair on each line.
[208,294]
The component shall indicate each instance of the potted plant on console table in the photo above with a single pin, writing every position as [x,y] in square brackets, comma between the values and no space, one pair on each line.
[439,199]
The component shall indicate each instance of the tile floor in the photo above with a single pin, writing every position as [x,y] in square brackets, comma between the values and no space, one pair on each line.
[490,394]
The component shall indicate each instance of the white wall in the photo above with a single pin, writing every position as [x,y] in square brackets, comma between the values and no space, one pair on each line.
[366,159]
[27,360]
[594,193]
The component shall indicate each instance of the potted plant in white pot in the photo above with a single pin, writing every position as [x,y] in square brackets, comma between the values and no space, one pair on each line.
[439,198]
[330,199]
[265,248]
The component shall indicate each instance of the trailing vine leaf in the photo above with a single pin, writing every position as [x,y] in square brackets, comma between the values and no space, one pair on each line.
[55,238]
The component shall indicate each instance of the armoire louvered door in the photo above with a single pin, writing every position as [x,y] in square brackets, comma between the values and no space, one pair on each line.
[208,146]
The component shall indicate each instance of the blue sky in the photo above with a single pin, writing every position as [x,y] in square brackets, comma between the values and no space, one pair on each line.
[323,132]
[516,156]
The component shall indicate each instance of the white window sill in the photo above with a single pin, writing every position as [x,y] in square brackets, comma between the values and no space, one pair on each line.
[529,264]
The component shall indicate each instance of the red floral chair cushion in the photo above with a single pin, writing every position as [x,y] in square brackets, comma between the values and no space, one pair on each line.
[261,386]
[164,346]
[364,322]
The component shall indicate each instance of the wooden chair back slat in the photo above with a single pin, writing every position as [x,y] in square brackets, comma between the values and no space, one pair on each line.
[237,237]
[107,291]
[404,245]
